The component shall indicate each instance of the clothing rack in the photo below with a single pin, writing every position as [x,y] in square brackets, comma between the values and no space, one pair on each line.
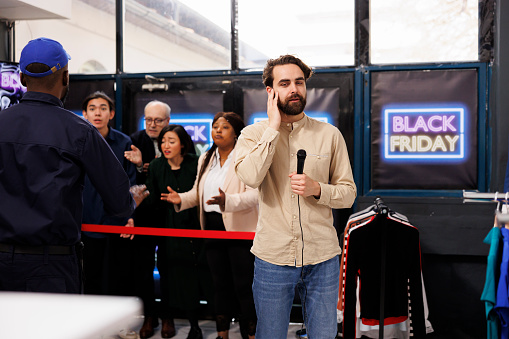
[383,210]
[383,230]
[502,218]
[381,207]
[472,196]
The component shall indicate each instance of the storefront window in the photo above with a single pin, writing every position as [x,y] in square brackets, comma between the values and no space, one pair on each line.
[170,35]
[320,32]
[423,31]
[195,35]
[88,35]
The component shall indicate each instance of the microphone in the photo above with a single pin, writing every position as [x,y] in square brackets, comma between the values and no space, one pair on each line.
[301,156]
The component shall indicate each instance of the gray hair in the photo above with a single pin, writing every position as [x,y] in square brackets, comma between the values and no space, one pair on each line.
[167,108]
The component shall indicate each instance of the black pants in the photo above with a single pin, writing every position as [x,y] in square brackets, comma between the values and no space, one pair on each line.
[232,266]
[95,264]
[143,269]
[121,259]
[40,273]
[107,265]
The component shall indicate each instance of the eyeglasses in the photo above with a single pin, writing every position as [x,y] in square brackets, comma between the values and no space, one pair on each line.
[159,122]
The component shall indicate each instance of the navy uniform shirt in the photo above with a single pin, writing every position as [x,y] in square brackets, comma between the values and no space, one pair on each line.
[93,207]
[45,152]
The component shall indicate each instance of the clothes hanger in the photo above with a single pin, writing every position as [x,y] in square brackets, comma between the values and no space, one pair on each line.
[496,222]
[502,212]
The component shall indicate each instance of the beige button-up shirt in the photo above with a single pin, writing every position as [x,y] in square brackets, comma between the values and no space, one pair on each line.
[285,234]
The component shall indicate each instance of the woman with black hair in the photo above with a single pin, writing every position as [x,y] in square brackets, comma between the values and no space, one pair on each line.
[184,275]
[226,204]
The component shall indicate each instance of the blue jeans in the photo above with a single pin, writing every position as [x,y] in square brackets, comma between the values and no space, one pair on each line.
[274,289]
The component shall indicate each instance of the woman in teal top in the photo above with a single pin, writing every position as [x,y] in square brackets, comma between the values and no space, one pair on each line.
[184,275]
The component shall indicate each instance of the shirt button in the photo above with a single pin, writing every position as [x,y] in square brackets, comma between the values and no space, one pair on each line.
[291,154]
[295,217]
[318,157]
[293,195]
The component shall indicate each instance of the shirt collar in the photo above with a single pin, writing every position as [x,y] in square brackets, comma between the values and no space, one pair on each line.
[215,159]
[297,124]
[111,135]
[42,97]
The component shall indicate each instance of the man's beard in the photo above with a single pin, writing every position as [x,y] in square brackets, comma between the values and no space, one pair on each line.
[292,108]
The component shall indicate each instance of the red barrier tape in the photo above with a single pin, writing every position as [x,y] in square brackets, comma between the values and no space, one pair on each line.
[168,232]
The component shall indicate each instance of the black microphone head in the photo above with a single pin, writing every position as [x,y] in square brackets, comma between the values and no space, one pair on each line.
[301,157]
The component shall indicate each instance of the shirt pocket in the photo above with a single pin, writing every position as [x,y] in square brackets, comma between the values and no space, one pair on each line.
[317,166]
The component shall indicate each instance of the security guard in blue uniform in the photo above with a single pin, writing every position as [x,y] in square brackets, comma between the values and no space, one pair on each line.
[45,152]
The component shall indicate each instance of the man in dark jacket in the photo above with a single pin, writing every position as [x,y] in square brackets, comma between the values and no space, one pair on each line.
[45,152]
[106,257]
[145,149]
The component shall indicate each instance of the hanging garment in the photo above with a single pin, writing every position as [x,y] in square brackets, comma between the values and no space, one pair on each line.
[395,331]
[490,286]
[502,305]
[363,244]
[354,220]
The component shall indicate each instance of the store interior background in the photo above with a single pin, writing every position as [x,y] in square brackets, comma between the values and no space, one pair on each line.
[216,49]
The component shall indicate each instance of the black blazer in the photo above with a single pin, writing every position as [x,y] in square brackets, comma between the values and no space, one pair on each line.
[141,140]
[143,216]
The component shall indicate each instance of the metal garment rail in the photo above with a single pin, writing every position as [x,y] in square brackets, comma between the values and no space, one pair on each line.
[472,196]
[501,211]
[168,232]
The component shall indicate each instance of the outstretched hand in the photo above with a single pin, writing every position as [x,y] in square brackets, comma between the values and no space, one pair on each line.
[218,199]
[172,197]
[139,192]
[130,223]
[134,156]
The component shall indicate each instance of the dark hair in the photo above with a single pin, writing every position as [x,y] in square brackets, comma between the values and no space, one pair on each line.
[237,123]
[98,95]
[48,81]
[184,137]
[268,77]
[37,67]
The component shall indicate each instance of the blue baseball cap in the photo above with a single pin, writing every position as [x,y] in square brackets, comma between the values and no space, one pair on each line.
[45,51]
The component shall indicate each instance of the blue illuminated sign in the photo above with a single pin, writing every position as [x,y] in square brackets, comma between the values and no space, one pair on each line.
[199,129]
[424,133]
